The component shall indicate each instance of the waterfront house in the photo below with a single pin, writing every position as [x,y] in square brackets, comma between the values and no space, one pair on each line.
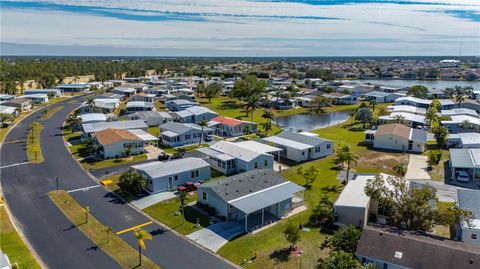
[397,137]
[300,147]
[341,98]
[229,127]
[381,97]
[407,109]
[413,101]
[413,120]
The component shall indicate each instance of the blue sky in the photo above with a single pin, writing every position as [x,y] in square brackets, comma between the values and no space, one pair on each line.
[240,27]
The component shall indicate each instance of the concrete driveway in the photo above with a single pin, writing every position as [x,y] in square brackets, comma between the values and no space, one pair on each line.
[417,168]
[215,236]
[152,199]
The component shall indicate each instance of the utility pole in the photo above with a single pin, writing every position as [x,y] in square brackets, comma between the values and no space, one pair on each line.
[56,179]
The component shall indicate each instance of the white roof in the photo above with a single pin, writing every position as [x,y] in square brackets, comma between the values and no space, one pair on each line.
[459,111]
[309,134]
[286,142]
[160,169]
[139,104]
[34,95]
[414,100]
[257,146]
[466,138]
[461,118]
[197,110]
[234,150]
[406,116]
[408,109]
[7,109]
[93,117]
[353,195]
[143,135]
[124,125]
[169,134]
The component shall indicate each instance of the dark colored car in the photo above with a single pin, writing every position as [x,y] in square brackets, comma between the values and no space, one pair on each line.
[163,156]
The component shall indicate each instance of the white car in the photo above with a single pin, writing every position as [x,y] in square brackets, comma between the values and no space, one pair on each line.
[462,176]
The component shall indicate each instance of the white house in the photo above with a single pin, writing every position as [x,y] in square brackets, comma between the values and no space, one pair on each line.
[6,97]
[9,110]
[231,158]
[93,117]
[413,120]
[151,118]
[105,105]
[50,92]
[194,114]
[175,134]
[114,142]
[462,123]
[37,98]
[464,140]
[179,104]
[255,198]
[342,98]
[89,128]
[166,176]
[125,91]
[407,109]
[353,206]
[413,101]
[470,200]
[134,106]
[144,97]
[80,87]
[459,111]
[300,147]
[225,126]
[397,137]
[21,103]
[381,97]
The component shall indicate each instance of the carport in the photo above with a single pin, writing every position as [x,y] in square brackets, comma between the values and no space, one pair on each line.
[269,205]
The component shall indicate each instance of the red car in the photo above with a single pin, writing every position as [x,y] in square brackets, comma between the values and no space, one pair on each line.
[187,186]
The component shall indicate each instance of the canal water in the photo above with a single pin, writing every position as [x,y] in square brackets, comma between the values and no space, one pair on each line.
[438,84]
[308,122]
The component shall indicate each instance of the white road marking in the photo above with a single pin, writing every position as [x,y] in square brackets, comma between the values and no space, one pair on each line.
[15,164]
[84,189]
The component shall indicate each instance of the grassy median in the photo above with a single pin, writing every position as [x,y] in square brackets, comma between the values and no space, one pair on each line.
[125,255]
[34,151]
[12,244]
[49,112]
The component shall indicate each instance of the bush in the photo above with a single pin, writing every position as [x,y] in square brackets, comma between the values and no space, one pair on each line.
[434,157]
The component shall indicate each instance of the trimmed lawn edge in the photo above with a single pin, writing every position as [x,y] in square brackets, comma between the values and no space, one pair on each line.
[124,254]
[34,150]
[51,112]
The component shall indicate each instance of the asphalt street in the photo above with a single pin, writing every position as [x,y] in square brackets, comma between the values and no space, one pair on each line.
[51,234]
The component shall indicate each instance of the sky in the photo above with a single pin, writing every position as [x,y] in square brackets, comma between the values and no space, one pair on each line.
[259,28]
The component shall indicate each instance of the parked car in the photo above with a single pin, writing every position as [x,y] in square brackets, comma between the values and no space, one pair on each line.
[163,156]
[187,186]
[462,176]
[209,138]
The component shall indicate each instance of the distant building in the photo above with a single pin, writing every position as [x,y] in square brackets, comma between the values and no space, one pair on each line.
[397,137]
[73,87]
[151,118]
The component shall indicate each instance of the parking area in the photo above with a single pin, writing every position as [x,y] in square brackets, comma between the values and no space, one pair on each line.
[216,235]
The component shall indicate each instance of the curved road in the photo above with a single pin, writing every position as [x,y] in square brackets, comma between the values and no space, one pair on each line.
[25,187]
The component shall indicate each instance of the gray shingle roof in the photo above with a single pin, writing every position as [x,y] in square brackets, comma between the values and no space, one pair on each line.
[305,139]
[418,135]
[416,250]
[245,183]
[160,169]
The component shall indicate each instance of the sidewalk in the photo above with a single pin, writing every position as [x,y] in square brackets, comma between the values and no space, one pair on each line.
[417,168]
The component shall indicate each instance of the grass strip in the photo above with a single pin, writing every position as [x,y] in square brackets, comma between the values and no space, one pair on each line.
[12,244]
[125,255]
[34,151]
[49,112]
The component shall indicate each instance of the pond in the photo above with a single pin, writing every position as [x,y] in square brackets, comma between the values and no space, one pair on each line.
[439,84]
[309,122]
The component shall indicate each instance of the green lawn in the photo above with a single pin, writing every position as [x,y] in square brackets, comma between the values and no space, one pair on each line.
[13,245]
[34,151]
[120,108]
[268,241]
[168,213]
[89,165]
[125,255]
[185,149]
[155,131]
[437,172]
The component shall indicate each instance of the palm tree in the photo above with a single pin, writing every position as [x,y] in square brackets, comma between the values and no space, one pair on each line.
[373,103]
[349,157]
[182,196]
[247,130]
[86,210]
[252,104]
[128,150]
[91,102]
[431,116]
[459,98]
[352,114]
[268,115]
[202,124]
[108,230]
[141,235]
[398,119]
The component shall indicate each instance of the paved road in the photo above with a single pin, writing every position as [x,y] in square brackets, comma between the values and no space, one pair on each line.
[47,229]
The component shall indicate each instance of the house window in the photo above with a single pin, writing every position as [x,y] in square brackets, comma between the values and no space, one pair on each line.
[303,153]
[385,266]
[328,146]
[256,165]
[266,162]
[193,174]
[175,177]
[196,173]
[204,195]
[187,136]
[474,236]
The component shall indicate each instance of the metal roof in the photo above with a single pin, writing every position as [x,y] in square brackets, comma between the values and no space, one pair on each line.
[143,135]
[160,169]
[305,139]
[234,150]
[470,200]
[98,117]
[125,125]
[267,197]
[257,147]
[465,158]
[288,143]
